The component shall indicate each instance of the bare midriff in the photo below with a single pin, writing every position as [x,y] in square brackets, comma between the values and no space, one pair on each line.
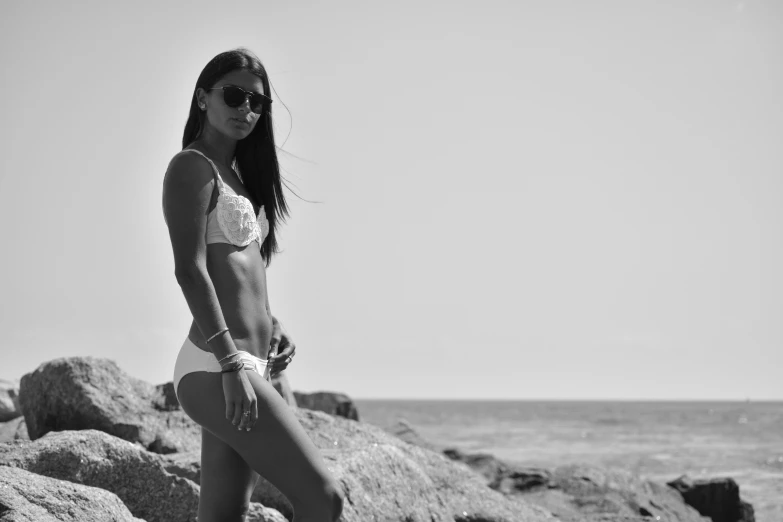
[239,277]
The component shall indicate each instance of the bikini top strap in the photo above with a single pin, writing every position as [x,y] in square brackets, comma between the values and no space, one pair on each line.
[218,179]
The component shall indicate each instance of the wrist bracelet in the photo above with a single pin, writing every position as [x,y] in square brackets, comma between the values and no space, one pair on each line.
[224,330]
[229,355]
[234,368]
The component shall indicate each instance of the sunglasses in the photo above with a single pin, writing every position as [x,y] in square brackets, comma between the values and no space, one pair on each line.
[235,96]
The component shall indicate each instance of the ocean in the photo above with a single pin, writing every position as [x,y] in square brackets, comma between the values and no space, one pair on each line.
[657,440]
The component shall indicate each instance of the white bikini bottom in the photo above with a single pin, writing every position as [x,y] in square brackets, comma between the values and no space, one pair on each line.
[191,358]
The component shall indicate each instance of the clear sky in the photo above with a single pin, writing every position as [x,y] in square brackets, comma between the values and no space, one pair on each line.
[520,199]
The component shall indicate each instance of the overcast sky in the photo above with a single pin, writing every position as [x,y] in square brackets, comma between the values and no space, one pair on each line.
[506,199]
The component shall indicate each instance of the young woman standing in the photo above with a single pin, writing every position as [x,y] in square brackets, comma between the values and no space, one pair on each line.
[223,202]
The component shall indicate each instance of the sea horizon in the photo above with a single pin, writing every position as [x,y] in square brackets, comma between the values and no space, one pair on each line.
[458,399]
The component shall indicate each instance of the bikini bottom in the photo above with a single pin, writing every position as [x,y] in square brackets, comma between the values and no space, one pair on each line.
[191,358]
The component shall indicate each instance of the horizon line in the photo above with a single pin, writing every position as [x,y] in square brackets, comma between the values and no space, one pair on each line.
[551,399]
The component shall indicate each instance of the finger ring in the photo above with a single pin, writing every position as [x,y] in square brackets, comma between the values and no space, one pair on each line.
[288,359]
[244,414]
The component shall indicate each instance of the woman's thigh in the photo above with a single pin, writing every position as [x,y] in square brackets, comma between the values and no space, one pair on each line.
[227,482]
[277,447]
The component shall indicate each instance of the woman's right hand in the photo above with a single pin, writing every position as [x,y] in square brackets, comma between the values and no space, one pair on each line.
[240,397]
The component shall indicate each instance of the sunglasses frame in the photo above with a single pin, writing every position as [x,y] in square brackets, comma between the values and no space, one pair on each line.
[245,93]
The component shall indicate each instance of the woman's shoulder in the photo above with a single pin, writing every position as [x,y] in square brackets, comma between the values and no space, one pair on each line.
[189,166]
[189,182]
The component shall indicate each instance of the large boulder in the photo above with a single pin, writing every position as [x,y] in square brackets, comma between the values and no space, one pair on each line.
[136,476]
[28,497]
[77,393]
[717,498]
[574,492]
[328,402]
[9,400]
[373,466]
[13,430]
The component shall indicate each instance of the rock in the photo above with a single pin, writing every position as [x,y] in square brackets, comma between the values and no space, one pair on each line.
[403,430]
[575,492]
[79,393]
[186,464]
[139,478]
[373,466]
[332,403]
[13,430]
[9,400]
[27,497]
[94,458]
[502,476]
[717,498]
[164,398]
[283,387]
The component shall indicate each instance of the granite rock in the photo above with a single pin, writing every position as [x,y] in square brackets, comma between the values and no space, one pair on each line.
[371,463]
[328,402]
[717,498]
[136,476]
[502,476]
[573,493]
[15,429]
[28,497]
[77,393]
[9,400]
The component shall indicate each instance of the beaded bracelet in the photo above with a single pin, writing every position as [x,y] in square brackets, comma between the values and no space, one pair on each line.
[224,330]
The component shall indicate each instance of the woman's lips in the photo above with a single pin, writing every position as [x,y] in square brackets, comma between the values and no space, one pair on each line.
[243,122]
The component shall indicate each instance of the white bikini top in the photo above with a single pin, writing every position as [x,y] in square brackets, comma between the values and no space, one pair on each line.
[232,220]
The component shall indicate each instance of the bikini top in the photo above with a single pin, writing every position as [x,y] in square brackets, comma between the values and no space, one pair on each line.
[232,220]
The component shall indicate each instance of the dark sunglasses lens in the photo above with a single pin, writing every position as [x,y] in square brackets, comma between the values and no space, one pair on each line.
[257,103]
[233,97]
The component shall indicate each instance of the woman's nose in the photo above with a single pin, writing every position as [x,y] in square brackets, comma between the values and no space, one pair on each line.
[245,103]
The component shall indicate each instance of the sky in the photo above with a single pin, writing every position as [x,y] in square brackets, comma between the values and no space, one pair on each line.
[497,200]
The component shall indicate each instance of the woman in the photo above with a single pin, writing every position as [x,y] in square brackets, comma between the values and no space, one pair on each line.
[222,202]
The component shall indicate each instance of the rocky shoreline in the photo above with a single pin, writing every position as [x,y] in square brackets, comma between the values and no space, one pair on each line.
[82,440]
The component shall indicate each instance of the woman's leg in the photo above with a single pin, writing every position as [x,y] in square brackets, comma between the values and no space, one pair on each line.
[226,482]
[277,446]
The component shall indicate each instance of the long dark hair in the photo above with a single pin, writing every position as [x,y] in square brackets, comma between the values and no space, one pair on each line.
[255,157]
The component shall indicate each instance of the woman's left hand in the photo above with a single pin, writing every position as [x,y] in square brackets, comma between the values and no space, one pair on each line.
[282,346]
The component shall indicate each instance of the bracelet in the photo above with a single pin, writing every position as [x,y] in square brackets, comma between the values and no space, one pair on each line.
[232,364]
[224,330]
[229,355]
[233,367]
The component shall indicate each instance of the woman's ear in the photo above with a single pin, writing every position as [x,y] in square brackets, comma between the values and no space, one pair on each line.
[201,98]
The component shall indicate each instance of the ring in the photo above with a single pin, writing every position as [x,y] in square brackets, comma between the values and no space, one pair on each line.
[288,359]
[246,413]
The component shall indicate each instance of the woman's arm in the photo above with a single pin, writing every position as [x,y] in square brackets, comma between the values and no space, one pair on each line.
[187,191]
